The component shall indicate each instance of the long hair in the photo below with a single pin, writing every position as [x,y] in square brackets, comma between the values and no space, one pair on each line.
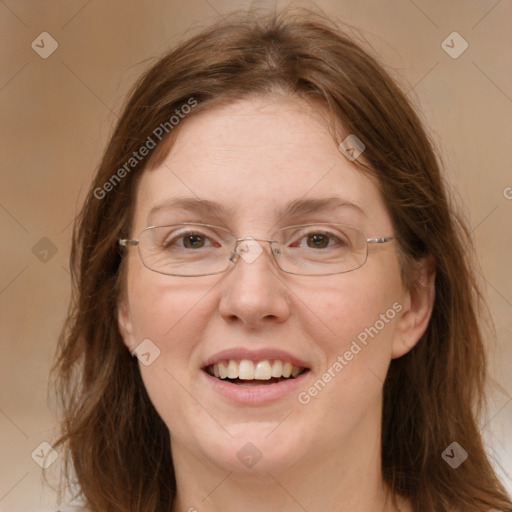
[116,447]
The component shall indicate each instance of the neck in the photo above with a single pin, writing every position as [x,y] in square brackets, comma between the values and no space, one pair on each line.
[345,478]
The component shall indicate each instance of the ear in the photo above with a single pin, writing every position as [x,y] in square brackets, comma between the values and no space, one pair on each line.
[125,324]
[417,305]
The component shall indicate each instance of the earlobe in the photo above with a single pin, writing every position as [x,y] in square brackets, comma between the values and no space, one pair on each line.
[417,309]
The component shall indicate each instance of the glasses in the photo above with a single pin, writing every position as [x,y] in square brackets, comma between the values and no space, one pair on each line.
[191,249]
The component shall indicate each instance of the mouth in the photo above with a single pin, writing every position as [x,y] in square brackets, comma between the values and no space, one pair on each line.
[254,377]
[246,372]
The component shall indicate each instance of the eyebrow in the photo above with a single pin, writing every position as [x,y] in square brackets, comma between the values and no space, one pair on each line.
[293,208]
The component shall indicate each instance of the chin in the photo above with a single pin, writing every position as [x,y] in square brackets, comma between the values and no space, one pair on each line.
[253,452]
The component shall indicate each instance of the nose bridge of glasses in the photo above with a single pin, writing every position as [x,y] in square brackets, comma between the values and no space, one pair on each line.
[249,248]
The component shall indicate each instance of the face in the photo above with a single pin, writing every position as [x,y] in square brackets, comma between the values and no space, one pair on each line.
[253,157]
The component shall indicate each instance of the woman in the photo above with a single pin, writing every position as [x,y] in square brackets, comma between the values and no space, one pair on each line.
[274,305]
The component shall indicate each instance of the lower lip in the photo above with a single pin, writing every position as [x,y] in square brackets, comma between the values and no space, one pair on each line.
[255,395]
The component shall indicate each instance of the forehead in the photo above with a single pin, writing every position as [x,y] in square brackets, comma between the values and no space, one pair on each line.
[257,159]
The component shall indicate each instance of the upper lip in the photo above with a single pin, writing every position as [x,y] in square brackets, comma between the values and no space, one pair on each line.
[261,354]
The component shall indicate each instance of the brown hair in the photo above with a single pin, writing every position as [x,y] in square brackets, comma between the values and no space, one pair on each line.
[116,445]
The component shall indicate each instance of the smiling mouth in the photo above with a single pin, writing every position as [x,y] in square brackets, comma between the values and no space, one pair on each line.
[248,373]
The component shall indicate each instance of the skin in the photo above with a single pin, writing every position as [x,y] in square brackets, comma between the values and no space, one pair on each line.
[253,156]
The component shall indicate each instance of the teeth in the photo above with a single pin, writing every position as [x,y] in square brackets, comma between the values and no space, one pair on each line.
[263,370]
[232,370]
[247,370]
[295,371]
[223,371]
[277,368]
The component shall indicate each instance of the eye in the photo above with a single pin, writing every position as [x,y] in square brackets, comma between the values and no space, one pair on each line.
[188,240]
[319,240]
[193,240]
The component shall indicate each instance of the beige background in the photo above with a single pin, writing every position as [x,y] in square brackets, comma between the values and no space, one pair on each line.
[57,114]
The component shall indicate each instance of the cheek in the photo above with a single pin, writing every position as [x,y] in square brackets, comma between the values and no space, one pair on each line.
[359,329]
[349,307]
[170,311]
[358,315]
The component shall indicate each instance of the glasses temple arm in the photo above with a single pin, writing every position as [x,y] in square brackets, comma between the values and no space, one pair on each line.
[381,240]
[125,242]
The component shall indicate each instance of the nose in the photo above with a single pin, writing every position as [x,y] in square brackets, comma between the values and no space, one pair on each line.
[253,291]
